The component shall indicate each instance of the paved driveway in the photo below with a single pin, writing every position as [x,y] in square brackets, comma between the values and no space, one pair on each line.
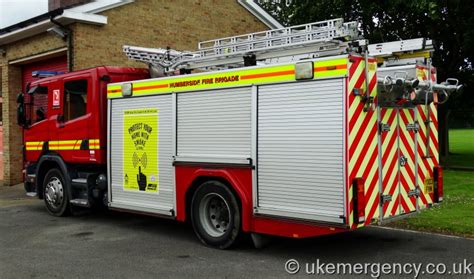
[118,245]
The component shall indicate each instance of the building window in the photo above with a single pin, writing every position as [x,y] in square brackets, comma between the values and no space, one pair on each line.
[75,99]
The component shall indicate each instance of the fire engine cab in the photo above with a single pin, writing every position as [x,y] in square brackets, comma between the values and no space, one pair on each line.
[297,132]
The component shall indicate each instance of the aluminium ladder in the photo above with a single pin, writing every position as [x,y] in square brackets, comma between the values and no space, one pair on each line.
[316,39]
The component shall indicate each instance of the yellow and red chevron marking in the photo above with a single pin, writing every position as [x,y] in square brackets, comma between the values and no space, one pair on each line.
[362,139]
[422,73]
[427,157]
[407,172]
[428,154]
[390,178]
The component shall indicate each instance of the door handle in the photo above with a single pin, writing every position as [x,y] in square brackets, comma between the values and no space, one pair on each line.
[60,120]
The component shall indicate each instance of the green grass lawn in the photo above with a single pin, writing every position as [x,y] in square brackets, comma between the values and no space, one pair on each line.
[455,215]
[461,148]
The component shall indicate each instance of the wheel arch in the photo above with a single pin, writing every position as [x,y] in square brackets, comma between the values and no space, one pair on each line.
[232,183]
[47,162]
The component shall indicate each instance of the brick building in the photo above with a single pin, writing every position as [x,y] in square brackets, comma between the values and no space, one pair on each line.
[78,34]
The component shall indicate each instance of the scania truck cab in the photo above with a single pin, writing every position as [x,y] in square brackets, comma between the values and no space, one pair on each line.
[64,134]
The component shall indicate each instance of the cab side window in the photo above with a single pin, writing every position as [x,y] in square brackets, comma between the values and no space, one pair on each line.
[37,99]
[75,99]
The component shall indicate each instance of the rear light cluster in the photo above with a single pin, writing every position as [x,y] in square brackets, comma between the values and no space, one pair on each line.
[359,200]
[438,187]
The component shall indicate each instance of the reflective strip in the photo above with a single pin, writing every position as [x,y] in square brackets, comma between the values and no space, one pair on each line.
[426,165]
[330,68]
[34,145]
[94,144]
[362,137]
[65,145]
[61,145]
[400,55]
[271,74]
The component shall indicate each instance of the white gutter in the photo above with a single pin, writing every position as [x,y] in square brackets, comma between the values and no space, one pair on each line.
[100,6]
[66,18]
[261,14]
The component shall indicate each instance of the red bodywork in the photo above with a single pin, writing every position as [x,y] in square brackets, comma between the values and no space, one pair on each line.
[92,125]
[241,182]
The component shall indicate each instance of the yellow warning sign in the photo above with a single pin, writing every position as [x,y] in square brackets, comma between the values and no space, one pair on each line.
[372,67]
[429,185]
[140,150]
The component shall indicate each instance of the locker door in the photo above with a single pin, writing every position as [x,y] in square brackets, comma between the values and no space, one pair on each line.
[390,162]
[300,150]
[407,161]
[141,154]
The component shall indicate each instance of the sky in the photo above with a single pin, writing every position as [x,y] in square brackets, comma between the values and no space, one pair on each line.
[14,11]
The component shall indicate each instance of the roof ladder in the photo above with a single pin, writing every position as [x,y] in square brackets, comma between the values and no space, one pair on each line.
[316,39]
[401,52]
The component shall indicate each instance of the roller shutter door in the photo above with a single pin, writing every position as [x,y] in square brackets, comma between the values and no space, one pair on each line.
[300,150]
[215,124]
[58,64]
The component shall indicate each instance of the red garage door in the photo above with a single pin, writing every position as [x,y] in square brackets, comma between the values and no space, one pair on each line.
[58,64]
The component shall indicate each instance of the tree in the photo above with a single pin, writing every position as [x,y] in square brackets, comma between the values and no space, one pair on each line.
[449,23]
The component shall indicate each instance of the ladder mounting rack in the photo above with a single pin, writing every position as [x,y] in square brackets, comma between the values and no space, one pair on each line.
[316,38]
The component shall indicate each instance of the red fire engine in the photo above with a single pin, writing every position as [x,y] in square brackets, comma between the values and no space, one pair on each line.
[297,132]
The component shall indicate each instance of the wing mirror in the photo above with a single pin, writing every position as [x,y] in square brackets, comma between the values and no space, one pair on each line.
[20,110]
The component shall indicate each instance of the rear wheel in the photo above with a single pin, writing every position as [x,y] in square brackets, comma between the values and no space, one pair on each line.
[55,193]
[215,215]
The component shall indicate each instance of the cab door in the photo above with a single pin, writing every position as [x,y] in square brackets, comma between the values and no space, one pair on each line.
[75,118]
[41,120]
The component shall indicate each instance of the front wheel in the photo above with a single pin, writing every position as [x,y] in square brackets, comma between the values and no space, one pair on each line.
[215,215]
[55,193]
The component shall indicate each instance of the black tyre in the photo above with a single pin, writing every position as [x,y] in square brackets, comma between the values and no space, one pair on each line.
[215,215]
[55,192]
